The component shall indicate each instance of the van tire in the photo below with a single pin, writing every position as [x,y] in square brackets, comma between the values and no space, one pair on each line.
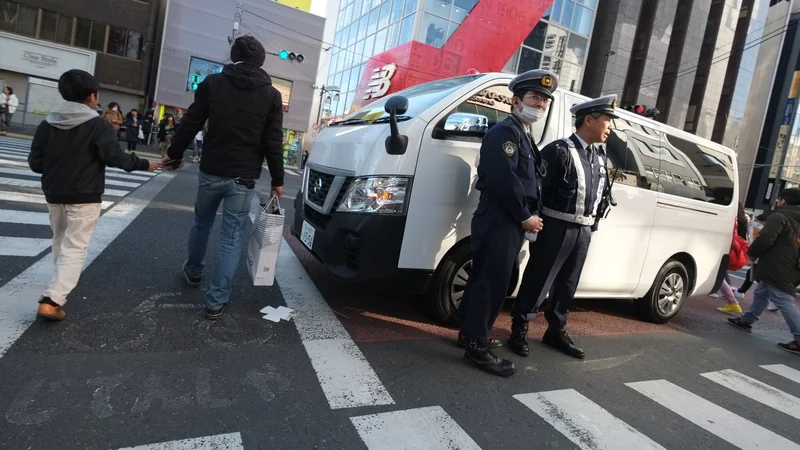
[674,279]
[439,299]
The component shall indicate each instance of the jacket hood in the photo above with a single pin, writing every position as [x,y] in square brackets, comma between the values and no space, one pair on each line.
[69,115]
[245,76]
[792,211]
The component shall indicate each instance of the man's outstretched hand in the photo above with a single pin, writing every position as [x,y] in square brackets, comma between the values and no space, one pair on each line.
[277,191]
[169,167]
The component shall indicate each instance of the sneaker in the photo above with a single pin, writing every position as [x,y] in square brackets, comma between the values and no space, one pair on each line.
[791,347]
[50,310]
[214,314]
[190,280]
[714,295]
[737,322]
[738,294]
[730,308]
[771,307]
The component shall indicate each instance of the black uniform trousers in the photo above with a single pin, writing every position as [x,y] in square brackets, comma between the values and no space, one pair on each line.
[555,264]
[496,243]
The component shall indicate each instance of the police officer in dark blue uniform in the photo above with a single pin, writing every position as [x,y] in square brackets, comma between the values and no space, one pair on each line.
[509,177]
[572,190]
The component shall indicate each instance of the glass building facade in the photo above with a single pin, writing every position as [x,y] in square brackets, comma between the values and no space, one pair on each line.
[366,28]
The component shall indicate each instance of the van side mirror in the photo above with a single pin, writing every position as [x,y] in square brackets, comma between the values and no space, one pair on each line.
[395,143]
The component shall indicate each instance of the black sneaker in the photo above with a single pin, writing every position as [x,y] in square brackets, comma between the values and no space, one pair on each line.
[191,281]
[791,347]
[214,314]
[737,322]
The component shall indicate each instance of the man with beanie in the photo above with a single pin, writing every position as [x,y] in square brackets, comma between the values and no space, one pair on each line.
[245,121]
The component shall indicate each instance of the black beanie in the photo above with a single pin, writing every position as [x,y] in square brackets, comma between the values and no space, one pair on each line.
[248,49]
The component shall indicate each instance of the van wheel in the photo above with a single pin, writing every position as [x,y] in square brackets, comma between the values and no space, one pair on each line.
[667,295]
[449,282]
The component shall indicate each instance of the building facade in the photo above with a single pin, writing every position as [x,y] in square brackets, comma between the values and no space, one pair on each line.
[41,39]
[195,43]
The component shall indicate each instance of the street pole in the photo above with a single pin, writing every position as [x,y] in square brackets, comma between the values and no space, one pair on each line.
[319,113]
[237,19]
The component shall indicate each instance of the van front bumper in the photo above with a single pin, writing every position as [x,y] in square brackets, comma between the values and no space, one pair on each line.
[359,248]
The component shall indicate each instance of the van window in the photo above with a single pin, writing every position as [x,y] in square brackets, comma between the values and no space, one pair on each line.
[420,98]
[707,174]
[629,162]
[483,111]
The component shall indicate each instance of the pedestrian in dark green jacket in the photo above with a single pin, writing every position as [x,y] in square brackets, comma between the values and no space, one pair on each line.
[777,254]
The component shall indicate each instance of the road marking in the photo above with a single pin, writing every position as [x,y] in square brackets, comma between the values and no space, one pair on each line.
[784,371]
[726,425]
[18,297]
[230,441]
[7,151]
[137,172]
[19,172]
[584,422]
[40,199]
[109,173]
[125,176]
[38,184]
[13,155]
[756,390]
[122,183]
[9,162]
[24,217]
[19,246]
[421,428]
[345,376]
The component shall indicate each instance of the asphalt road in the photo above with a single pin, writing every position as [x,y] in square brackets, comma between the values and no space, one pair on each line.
[136,365]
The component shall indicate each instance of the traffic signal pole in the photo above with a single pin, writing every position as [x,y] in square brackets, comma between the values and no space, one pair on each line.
[237,19]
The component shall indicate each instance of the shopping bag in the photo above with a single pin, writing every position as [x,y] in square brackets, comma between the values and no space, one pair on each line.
[265,243]
[141,134]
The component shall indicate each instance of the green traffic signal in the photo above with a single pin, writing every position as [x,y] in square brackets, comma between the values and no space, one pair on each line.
[284,54]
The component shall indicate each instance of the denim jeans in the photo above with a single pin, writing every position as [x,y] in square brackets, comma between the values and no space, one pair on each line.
[236,199]
[783,300]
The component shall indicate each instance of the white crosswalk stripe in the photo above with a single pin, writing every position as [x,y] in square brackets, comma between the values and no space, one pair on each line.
[20,206]
[589,426]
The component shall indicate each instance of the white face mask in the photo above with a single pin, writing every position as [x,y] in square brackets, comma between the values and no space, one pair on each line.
[530,114]
[114,108]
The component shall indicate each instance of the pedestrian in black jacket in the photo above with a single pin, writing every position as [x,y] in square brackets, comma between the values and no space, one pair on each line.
[245,121]
[71,149]
[777,270]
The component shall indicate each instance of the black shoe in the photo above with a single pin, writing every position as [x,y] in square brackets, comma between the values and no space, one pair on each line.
[463,342]
[518,342]
[482,357]
[191,281]
[214,314]
[559,339]
[791,347]
[737,322]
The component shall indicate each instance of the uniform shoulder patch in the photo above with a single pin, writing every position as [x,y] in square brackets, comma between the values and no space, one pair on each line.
[509,147]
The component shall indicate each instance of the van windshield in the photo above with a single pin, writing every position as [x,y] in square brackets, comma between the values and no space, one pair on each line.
[420,98]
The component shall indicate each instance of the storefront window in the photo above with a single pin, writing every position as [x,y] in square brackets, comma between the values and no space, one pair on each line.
[285,88]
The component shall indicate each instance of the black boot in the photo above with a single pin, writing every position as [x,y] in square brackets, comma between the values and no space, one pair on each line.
[518,342]
[559,339]
[463,342]
[481,356]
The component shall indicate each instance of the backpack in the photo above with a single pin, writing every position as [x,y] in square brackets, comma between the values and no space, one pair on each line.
[737,257]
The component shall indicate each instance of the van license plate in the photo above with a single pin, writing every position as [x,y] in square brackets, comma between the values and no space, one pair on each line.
[307,235]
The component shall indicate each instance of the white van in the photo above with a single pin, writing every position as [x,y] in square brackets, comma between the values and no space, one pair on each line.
[389,198]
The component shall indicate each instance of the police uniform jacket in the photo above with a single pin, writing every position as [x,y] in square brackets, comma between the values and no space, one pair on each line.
[508,170]
[573,185]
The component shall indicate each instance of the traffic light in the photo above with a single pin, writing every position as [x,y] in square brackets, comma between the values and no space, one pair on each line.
[291,56]
[636,109]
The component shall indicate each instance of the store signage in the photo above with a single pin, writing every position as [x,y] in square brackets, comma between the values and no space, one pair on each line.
[42,59]
[490,98]
[380,82]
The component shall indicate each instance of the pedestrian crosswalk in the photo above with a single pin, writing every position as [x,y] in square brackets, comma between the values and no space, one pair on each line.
[590,426]
[24,221]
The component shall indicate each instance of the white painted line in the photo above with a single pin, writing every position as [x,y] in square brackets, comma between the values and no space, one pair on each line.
[584,422]
[19,246]
[726,425]
[784,371]
[24,217]
[428,428]
[39,199]
[38,184]
[19,172]
[344,374]
[137,172]
[756,390]
[125,176]
[122,183]
[12,155]
[18,297]
[230,441]
[736,276]
[8,151]
[10,162]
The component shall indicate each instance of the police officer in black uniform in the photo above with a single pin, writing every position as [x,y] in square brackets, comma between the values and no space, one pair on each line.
[572,190]
[509,177]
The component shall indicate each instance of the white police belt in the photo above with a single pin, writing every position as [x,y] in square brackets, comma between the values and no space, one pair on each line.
[574,218]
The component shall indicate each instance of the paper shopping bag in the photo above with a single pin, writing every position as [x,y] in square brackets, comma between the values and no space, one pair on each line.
[265,243]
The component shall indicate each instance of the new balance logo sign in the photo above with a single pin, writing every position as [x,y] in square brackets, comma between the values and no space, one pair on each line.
[380,82]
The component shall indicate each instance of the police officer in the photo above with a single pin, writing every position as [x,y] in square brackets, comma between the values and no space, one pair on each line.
[509,178]
[571,192]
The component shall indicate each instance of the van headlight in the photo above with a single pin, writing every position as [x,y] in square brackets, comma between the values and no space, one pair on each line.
[380,195]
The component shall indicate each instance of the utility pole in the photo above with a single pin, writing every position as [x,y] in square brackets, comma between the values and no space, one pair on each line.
[237,19]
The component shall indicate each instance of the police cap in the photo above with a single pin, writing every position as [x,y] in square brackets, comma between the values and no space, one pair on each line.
[604,105]
[542,81]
